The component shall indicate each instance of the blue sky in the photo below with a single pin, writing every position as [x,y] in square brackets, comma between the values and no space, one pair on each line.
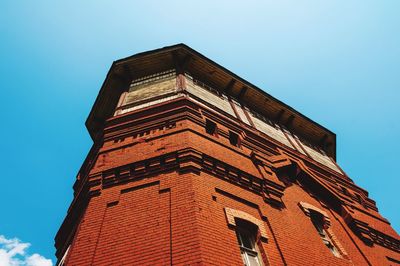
[337,62]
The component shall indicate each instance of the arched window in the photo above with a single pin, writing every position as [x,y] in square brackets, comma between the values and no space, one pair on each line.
[247,235]
[318,221]
[321,222]
[249,232]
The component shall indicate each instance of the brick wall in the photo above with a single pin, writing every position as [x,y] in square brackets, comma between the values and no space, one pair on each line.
[161,191]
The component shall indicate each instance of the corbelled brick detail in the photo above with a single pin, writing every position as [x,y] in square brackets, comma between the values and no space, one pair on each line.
[173,174]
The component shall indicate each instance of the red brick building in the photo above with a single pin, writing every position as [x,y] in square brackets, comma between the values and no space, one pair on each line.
[193,165]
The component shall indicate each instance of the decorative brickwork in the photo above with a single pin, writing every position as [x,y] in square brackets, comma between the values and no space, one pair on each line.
[232,214]
[184,149]
[306,207]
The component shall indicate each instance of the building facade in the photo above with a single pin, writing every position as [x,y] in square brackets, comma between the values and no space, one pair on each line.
[193,165]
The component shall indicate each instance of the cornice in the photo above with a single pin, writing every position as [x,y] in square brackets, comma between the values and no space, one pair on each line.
[190,160]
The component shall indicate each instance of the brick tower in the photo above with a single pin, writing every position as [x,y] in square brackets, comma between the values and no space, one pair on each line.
[193,165]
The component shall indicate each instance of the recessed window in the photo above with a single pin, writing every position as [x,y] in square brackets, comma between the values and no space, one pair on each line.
[234,139]
[318,221]
[247,238]
[211,127]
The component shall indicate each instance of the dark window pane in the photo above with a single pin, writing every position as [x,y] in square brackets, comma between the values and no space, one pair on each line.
[234,138]
[211,127]
[318,221]
[246,240]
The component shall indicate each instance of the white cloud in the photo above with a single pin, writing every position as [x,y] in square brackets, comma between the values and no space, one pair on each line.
[37,260]
[13,253]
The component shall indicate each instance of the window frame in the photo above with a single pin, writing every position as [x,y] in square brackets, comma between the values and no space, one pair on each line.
[322,223]
[317,220]
[247,229]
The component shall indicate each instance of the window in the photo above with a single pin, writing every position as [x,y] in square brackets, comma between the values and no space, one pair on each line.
[211,127]
[250,233]
[234,139]
[247,238]
[322,222]
[318,221]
